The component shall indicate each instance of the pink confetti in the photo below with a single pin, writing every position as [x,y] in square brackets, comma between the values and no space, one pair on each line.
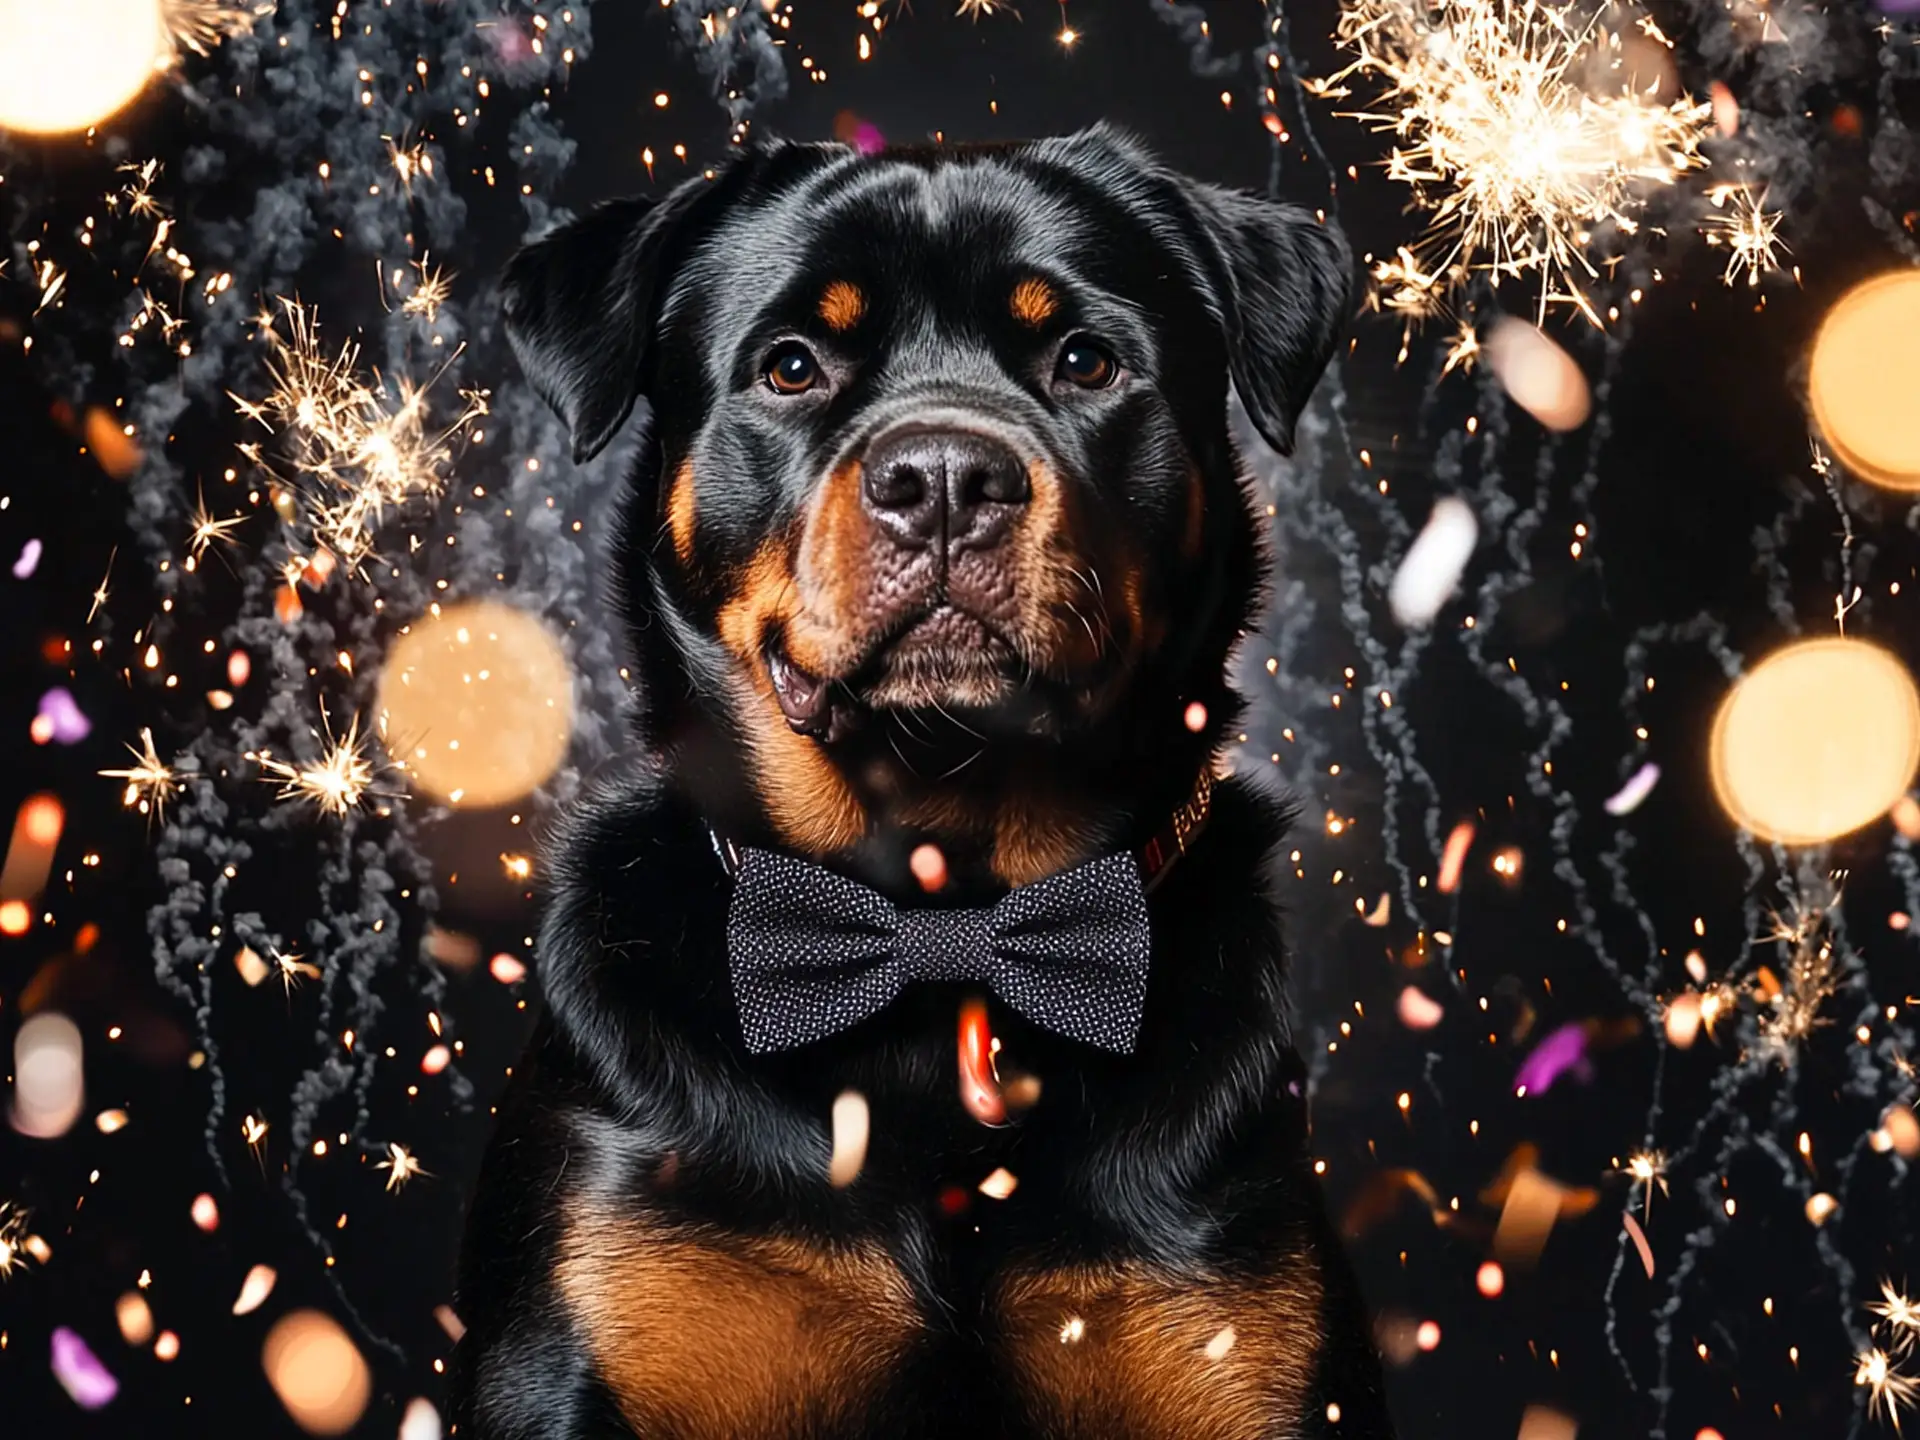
[507,969]
[1628,797]
[62,717]
[29,559]
[1418,1010]
[1562,1052]
[1455,856]
[80,1372]
[1640,1242]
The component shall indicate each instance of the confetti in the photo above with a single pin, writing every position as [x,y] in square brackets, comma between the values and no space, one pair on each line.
[1639,1238]
[1434,563]
[80,1372]
[849,1139]
[1630,796]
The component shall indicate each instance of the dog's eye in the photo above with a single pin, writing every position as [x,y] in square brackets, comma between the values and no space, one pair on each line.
[1085,364]
[792,370]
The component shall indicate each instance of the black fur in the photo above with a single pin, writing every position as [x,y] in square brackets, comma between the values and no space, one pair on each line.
[1190,1154]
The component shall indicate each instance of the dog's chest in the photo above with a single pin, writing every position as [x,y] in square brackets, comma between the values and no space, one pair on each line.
[700,1335]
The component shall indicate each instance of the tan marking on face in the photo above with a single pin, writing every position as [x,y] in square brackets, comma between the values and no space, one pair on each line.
[680,512]
[807,799]
[1034,302]
[710,1336]
[842,305]
[1123,1349]
[836,551]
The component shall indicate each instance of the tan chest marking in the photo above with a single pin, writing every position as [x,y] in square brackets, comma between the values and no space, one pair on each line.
[712,1337]
[1126,1351]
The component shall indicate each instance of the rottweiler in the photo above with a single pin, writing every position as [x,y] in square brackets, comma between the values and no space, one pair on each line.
[932,557]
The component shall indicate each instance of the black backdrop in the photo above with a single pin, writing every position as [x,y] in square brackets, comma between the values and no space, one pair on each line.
[1706,451]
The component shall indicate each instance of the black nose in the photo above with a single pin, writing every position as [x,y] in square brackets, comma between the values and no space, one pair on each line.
[929,486]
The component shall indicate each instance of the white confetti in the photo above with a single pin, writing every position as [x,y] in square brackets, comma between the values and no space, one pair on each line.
[1431,571]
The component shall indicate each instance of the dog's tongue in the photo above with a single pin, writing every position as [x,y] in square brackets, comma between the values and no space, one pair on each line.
[803,697]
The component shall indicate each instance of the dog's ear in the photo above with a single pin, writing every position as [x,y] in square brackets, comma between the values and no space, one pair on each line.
[580,307]
[1287,282]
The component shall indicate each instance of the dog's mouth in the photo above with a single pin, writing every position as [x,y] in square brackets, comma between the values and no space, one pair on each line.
[945,660]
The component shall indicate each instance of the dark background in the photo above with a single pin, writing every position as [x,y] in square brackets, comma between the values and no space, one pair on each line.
[1704,453]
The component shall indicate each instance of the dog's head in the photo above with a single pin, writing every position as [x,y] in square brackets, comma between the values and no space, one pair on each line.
[938,532]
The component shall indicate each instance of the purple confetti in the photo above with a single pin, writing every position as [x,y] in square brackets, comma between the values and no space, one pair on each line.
[867,138]
[80,1372]
[1627,798]
[29,558]
[62,714]
[1563,1051]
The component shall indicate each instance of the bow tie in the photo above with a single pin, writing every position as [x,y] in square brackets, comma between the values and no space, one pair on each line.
[813,952]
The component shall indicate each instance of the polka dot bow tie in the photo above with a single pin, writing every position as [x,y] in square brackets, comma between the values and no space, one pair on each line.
[813,952]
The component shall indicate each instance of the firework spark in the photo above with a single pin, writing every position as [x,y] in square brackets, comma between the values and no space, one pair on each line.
[1890,1390]
[293,968]
[360,450]
[1814,969]
[1748,230]
[200,25]
[1899,1313]
[207,530]
[14,1251]
[1505,135]
[336,782]
[150,783]
[400,1166]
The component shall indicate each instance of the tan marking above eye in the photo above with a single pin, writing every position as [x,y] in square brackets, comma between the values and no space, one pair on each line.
[842,305]
[1034,302]
[680,512]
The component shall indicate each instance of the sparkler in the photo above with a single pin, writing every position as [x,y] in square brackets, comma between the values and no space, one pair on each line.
[207,530]
[336,782]
[361,450]
[150,783]
[1899,1313]
[13,1236]
[1748,230]
[1505,135]
[1890,1390]
[200,25]
[400,1166]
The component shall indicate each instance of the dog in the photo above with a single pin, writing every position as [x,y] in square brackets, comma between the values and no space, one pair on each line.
[932,556]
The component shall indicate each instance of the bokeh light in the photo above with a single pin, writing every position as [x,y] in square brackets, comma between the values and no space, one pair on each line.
[477,703]
[317,1371]
[48,1088]
[1818,739]
[69,65]
[1864,377]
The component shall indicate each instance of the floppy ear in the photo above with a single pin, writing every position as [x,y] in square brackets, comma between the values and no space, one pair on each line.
[1288,285]
[580,308]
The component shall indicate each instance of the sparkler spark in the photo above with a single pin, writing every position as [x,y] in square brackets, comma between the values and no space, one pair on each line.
[430,292]
[1900,1314]
[206,530]
[336,782]
[1814,971]
[1890,1390]
[974,9]
[13,1236]
[360,449]
[200,25]
[1519,155]
[400,1166]
[293,967]
[1748,230]
[150,784]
